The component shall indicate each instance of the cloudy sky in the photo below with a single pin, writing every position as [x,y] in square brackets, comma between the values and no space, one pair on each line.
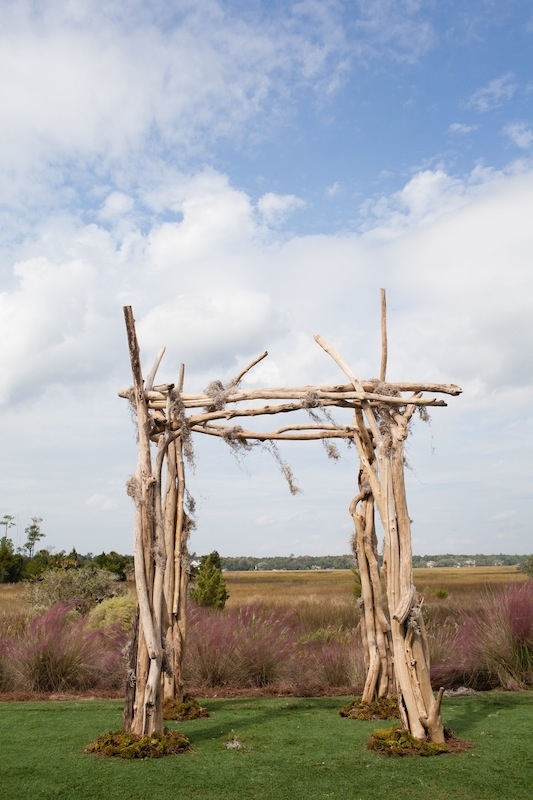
[245,174]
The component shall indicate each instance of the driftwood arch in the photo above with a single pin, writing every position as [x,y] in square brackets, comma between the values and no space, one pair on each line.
[394,638]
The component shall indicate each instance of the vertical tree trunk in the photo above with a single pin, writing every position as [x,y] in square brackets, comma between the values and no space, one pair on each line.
[381,454]
[375,627]
[146,716]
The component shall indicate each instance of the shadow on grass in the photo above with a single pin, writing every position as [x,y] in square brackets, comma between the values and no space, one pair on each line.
[202,729]
[464,714]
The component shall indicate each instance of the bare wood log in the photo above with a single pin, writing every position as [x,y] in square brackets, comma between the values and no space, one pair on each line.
[307,434]
[250,366]
[169,523]
[151,375]
[383,369]
[404,606]
[199,400]
[374,624]
[144,719]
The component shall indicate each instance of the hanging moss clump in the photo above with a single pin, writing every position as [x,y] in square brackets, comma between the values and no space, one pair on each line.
[382,708]
[397,741]
[124,744]
[189,709]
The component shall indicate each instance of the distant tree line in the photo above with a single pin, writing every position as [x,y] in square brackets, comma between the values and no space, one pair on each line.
[26,564]
[476,560]
[246,563]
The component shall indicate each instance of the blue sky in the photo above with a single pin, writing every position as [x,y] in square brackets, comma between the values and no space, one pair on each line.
[247,174]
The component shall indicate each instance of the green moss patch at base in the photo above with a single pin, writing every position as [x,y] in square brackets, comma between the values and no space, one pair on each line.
[189,709]
[397,742]
[383,708]
[122,744]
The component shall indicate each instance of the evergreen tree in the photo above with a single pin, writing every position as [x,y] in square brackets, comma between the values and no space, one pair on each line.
[11,563]
[33,535]
[210,589]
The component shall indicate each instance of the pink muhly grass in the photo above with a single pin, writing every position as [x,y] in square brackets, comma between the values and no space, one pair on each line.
[493,646]
[57,652]
[237,646]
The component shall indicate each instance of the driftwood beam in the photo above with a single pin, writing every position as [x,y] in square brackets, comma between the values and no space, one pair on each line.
[294,433]
[299,392]
[346,400]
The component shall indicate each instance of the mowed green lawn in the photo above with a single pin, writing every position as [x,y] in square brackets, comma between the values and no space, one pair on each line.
[290,748]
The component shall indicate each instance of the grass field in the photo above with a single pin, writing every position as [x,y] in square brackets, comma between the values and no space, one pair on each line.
[291,748]
[284,587]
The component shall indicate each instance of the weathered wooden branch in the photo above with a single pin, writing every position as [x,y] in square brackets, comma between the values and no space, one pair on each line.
[383,369]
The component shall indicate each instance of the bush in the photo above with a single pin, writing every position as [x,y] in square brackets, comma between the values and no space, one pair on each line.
[527,566]
[113,611]
[210,589]
[84,587]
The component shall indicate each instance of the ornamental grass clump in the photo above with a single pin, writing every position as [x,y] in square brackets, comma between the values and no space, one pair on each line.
[497,641]
[244,647]
[489,646]
[265,641]
[56,652]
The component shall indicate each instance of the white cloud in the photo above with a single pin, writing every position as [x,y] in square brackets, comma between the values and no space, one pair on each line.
[275,208]
[495,94]
[87,81]
[520,134]
[462,128]
[117,204]
[333,189]
[395,27]
[216,286]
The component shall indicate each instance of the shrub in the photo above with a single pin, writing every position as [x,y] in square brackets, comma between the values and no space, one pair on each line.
[113,611]
[527,566]
[85,587]
[210,589]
